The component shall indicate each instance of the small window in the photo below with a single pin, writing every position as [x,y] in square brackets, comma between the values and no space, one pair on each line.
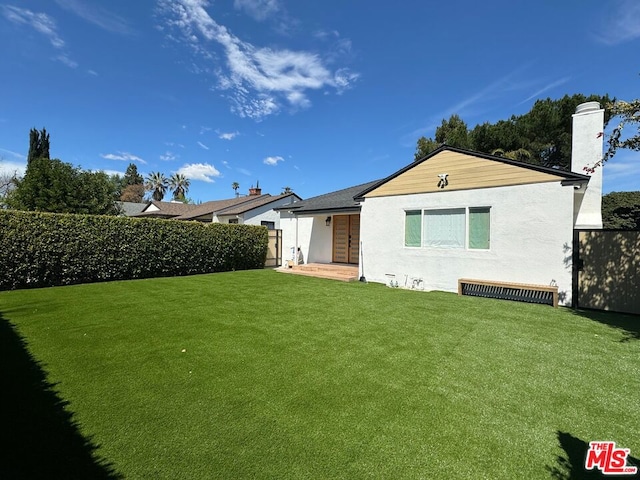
[233,220]
[479,228]
[412,227]
[269,225]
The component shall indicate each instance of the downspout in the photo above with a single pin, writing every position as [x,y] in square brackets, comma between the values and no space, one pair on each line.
[295,248]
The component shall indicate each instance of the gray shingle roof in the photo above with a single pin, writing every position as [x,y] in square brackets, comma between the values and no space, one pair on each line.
[340,200]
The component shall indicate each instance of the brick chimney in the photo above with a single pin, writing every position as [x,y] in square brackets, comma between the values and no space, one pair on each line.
[586,151]
[255,191]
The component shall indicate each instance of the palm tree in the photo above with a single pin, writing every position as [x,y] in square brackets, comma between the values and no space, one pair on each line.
[521,154]
[235,186]
[180,184]
[157,183]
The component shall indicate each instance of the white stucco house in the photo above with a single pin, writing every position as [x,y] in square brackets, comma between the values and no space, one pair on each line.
[460,214]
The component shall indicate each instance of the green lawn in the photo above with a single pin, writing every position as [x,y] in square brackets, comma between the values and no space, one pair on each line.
[264,375]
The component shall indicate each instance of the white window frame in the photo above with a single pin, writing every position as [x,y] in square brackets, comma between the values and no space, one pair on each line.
[466,233]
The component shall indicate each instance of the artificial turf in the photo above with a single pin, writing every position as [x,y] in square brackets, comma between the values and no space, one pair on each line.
[259,374]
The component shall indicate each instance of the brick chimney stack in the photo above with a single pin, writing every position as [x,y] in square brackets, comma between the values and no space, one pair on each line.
[255,191]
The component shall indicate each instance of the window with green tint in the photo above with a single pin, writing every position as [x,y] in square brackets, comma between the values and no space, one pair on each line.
[412,228]
[479,228]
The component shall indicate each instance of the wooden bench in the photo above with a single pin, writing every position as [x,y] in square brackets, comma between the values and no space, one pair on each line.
[519,292]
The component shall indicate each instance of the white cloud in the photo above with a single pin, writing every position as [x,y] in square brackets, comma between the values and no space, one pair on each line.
[123,156]
[199,171]
[244,171]
[113,172]
[228,135]
[42,23]
[260,80]
[96,15]
[168,156]
[204,130]
[92,72]
[622,23]
[257,9]
[11,168]
[273,161]
[202,145]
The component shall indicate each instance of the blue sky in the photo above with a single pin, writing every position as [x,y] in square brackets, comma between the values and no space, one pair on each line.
[316,96]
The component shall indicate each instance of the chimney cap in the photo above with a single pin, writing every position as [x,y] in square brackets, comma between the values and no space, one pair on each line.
[588,107]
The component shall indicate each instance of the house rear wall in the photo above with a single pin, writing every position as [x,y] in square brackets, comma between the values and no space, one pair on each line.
[531,238]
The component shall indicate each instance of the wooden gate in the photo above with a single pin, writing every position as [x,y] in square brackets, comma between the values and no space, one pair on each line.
[606,270]
[274,250]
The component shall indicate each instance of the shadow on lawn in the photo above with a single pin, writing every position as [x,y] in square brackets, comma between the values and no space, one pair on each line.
[629,324]
[571,465]
[38,435]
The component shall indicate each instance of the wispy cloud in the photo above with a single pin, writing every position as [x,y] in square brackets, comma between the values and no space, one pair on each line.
[227,135]
[260,80]
[13,154]
[258,9]
[43,24]
[202,145]
[168,156]
[123,156]
[199,171]
[484,95]
[204,130]
[621,173]
[92,73]
[546,88]
[273,161]
[97,15]
[244,171]
[621,24]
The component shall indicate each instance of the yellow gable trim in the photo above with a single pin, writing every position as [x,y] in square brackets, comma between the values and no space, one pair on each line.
[464,172]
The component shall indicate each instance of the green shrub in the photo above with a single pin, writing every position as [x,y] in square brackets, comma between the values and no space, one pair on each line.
[47,249]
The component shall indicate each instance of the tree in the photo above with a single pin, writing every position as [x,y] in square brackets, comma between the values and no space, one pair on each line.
[7,185]
[132,177]
[55,186]
[544,133]
[621,210]
[157,183]
[38,144]
[628,113]
[180,184]
[132,193]
[235,186]
[452,132]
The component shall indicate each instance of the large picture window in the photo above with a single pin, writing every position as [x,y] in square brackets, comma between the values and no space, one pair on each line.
[448,228]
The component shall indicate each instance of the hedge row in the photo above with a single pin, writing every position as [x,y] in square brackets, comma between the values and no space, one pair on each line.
[47,249]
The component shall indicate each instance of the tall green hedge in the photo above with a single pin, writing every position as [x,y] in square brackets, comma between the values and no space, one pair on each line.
[47,249]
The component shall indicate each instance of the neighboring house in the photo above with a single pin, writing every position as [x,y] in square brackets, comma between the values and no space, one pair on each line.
[460,214]
[254,209]
[159,209]
[130,209]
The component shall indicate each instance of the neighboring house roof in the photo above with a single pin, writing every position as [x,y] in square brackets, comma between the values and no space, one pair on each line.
[160,209]
[258,202]
[130,209]
[207,209]
[465,169]
[333,202]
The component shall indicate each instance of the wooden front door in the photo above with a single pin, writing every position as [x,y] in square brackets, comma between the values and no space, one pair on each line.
[346,238]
